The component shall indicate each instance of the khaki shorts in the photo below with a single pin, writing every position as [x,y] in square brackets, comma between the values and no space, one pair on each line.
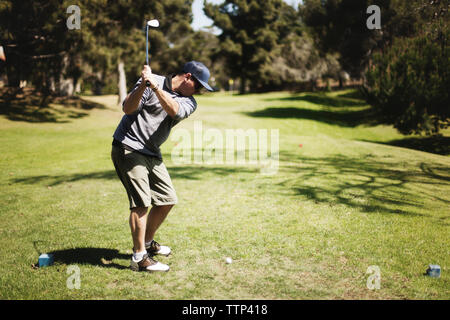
[145,178]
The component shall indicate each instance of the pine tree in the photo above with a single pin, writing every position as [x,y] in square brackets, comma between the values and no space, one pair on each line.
[339,26]
[37,44]
[39,47]
[409,81]
[251,29]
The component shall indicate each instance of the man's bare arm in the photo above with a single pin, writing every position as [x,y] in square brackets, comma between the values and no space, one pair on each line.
[131,102]
[167,102]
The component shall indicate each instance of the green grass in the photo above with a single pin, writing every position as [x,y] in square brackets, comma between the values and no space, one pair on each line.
[348,198]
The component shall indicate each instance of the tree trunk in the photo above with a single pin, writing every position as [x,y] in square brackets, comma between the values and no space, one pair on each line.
[66,87]
[313,84]
[77,84]
[98,83]
[243,85]
[13,66]
[122,82]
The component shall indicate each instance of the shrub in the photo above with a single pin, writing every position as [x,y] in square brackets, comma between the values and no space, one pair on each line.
[409,84]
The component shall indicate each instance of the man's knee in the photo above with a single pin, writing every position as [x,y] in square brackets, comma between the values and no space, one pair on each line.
[140,211]
[167,206]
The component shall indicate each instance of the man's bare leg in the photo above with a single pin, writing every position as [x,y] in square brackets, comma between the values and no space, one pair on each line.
[140,260]
[155,218]
[138,222]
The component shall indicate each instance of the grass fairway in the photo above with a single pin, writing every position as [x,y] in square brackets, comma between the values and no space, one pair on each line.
[344,198]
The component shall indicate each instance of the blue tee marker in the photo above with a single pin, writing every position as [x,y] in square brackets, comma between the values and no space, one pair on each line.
[45,260]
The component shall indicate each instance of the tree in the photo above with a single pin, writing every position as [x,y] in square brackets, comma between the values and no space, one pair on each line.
[339,26]
[405,64]
[250,31]
[40,48]
[34,35]
[409,81]
[197,46]
[295,61]
[116,34]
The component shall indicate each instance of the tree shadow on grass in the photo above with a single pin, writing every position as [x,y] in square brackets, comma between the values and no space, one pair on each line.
[52,181]
[347,109]
[101,257]
[368,184]
[434,144]
[199,172]
[353,94]
[324,100]
[187,172]
[347,118]
[30,106]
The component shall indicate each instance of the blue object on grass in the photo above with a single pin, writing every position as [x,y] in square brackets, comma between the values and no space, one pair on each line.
[45,260]
[434,271]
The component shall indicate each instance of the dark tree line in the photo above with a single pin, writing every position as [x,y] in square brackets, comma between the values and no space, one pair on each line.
[405,64]
[265,45]
[41,49]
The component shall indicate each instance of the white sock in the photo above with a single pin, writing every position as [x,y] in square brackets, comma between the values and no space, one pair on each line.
[148,243]
[138,256]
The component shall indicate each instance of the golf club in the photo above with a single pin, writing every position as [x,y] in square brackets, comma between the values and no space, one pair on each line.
[154,24]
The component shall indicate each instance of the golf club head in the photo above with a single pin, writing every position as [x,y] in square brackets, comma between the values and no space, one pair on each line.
[153,23]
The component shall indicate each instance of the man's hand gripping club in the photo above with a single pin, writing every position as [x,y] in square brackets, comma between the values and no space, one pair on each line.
[133,99]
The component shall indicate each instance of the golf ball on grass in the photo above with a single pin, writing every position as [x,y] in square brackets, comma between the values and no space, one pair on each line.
[228,260]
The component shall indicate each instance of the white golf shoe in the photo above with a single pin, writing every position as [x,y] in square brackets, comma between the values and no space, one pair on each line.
[155,248]
[148,264]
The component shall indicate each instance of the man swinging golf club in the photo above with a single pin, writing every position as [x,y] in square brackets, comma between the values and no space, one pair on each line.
[152,108]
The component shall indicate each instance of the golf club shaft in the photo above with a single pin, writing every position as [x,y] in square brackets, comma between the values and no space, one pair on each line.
[147,83]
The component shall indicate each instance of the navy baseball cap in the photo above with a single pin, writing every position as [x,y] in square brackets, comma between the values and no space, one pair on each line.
[199,71]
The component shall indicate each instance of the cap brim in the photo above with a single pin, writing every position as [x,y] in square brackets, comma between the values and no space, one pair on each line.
[206,85]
